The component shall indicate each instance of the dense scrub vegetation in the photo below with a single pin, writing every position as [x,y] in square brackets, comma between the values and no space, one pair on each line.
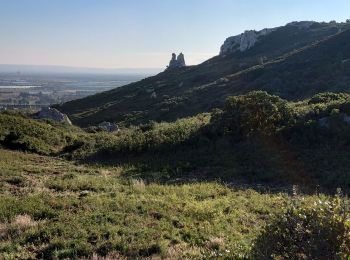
[256,138]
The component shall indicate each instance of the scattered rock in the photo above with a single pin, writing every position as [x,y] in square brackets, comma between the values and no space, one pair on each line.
[109,127]
[154,95]
[53,114]
[346,118]
[324,122]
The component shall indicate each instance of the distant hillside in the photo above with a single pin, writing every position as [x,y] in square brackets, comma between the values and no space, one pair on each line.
[294,61]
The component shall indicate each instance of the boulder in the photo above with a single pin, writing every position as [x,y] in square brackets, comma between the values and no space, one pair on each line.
[53,114]
[109,127]
[325,122]
[346,118]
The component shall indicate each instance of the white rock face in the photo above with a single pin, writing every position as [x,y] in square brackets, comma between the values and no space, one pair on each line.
[53,114]
[243,41]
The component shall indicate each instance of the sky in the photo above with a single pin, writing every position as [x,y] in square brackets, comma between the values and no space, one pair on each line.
[140,33]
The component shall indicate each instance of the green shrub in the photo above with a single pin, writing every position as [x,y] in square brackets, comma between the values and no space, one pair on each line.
[20,133]
[328,97]
[316,229]
[256,112]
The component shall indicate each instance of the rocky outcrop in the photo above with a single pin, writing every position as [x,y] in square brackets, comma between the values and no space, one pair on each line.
[53,114]
[109,127]
[177,62]
[243,41]
[181,60]
[346,118]
[325,122]
[248,39]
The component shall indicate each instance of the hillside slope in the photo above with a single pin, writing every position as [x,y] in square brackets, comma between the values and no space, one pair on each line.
[185,91]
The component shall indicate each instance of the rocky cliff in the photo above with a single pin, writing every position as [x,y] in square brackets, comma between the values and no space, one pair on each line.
[248,39]
[243,41]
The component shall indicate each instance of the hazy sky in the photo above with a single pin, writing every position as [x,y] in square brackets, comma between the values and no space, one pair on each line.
[140,33]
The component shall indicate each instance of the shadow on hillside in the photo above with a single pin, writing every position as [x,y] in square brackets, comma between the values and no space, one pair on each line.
[266,166]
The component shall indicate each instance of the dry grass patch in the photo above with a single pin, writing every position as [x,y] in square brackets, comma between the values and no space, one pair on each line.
[23,221]
[110,256]
[18,225]
[216,243]
[138,185]
[182,251]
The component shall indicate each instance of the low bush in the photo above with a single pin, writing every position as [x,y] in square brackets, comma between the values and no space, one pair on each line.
[316,229]
[21,133]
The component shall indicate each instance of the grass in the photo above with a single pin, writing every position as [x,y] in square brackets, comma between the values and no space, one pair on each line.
[157,190]
[51,208]
[58,209]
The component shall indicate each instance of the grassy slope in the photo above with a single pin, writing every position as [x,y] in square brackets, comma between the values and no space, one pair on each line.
[174,89]
[50,207]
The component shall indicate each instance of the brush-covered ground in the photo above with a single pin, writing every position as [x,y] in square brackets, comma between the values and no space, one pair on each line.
[52,208]
[217,185]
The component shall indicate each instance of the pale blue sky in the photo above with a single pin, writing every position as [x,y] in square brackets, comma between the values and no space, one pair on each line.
[140,33]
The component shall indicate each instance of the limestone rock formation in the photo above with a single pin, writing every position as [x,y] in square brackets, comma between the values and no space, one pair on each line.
[177,62]
[243,41]
[181,60]
[53,114]
[248,39]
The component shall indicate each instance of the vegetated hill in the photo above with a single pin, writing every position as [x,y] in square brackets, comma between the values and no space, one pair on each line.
[256,138]
[190,90]
[323,66]
[259,145]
